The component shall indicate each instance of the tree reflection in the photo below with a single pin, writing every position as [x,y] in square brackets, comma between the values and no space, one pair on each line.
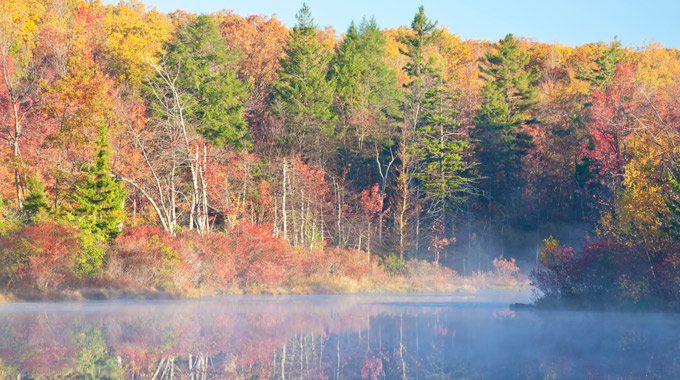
[331,338]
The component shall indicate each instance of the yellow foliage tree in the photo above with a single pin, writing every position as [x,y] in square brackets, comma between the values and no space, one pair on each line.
[134,36]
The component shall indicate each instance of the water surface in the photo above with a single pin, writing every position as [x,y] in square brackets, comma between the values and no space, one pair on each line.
[458,336]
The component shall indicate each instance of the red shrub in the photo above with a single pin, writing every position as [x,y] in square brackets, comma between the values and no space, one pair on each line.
[608,271]
[259,255]
[372,369]
[218,265]
[39,256]
[150,257]
[338,261]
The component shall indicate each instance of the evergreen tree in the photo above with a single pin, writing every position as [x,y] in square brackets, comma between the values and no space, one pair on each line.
[100,197]
[602,74]
[302,95]
[365,93]
[439,146]
[35,202]
[421,74]
[363,82]
[216,97]
[508,100]
[420,71]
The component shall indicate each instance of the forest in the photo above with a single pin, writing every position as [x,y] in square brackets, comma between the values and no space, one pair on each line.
[228,153]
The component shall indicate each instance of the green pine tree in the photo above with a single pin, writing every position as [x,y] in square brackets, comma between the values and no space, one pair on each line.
[365,93]
[35,202]
[100,197]
[422,76]
[439,146]
[602,74]
[508,100]
[358,72]
[421,72]
[202,61]
[302,94]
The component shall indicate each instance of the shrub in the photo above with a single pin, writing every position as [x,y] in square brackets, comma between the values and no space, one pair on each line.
[557,270]
[352,263]
[147,256]
[506,269]
[601,267]
[608,271]
[429,271]
[218,265]
[260,257]
[39,257]
[395,265]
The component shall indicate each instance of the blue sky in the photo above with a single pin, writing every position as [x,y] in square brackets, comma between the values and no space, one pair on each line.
[572,22]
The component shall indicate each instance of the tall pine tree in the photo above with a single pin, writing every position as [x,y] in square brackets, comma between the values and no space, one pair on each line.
[214,97]
[302,95]
[439,144]
[421,75]
[364,87]
[500,134]
[365,100]
[365,103]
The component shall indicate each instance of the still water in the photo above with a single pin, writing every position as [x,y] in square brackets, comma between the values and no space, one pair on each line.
[333,337]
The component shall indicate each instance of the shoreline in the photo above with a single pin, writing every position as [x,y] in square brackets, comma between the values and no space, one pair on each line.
[113,294]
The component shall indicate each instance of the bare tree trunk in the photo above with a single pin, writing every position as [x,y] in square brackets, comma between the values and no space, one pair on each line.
[17,156]
[417,240]
[284,217]
[302,219]
[204,189]
[384,176]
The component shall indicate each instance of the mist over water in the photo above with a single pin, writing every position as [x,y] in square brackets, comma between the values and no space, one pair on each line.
[334,337]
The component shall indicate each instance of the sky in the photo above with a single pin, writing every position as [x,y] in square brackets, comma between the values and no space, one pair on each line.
[569,22]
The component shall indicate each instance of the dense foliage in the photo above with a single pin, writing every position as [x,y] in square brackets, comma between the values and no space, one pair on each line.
[181,151]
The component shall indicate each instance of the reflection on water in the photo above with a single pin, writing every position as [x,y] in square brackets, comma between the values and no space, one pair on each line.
[333,337]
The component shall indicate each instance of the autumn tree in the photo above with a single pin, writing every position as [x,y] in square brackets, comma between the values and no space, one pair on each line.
[20,86]
[611,119]
[76,104]
[372,203]
[133,34]
[259,43]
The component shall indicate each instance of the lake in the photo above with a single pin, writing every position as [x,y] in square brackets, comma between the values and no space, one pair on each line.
[454,336]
